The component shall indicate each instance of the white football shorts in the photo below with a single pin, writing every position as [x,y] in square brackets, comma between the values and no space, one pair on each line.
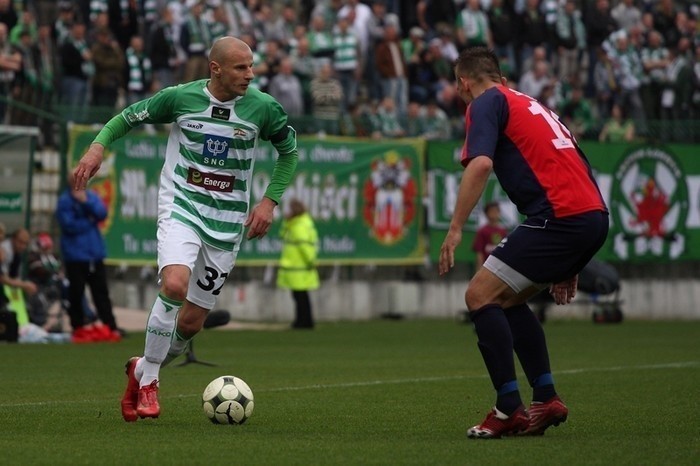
[180,245]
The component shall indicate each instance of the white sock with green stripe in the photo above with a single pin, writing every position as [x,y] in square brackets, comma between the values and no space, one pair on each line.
[159,333]
[178,345]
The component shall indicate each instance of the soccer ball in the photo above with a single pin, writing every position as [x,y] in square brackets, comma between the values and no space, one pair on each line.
[228,400]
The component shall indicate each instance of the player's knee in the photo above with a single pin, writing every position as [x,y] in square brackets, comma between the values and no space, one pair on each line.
[175,287]
[475,298]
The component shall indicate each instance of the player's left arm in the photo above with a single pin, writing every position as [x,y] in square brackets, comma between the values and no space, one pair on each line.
[284,139]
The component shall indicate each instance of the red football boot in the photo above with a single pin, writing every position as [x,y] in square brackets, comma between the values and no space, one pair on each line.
[147,405]
[131,394]
[547,414]
[498,424]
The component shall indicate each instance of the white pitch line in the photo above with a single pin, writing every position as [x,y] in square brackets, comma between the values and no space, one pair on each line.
[369,383]
[671,365]
[674,365]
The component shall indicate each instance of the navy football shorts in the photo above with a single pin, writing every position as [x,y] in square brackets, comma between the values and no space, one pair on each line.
[542,250]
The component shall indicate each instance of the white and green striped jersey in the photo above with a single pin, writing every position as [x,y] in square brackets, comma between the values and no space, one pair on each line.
[206,177]
[649,54]
[138,70]
[345,57]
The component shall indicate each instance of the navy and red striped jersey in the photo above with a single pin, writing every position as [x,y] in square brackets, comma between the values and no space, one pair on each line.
[535,157]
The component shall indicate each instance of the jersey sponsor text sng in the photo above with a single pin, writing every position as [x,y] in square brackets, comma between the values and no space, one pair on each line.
[210,181]
[215,150]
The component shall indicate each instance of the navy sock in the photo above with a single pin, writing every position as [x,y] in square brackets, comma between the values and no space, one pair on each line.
[496,346]
[530,345]
[543,388]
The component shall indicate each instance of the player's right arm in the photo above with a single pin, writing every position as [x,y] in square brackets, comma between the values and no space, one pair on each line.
[474,179]
[88,165]
[156,109]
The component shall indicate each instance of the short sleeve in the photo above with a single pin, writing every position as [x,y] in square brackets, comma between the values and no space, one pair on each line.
[486,117]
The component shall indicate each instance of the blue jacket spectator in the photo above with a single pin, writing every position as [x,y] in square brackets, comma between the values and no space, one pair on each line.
[81,240]
[79,213]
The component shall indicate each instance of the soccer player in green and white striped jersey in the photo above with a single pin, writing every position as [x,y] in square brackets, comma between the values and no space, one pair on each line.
[203,200]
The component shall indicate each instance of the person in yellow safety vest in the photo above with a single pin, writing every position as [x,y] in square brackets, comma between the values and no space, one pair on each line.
[297,267]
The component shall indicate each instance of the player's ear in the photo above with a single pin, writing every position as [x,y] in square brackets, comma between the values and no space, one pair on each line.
[466,85]
[504,81]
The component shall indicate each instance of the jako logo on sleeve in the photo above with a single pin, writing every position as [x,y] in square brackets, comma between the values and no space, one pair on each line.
[215,150]
[210,181]
[137,116]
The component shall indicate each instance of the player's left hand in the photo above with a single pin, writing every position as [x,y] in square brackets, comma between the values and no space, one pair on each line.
[447,251]
[260,218]
[565,291]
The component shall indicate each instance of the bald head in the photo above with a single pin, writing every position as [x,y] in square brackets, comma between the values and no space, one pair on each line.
[223,47]
[230,68]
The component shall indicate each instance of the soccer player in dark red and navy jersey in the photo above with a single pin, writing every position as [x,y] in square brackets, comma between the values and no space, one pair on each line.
[546,175]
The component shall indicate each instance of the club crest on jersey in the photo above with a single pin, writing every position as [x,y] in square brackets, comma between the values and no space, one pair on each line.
[221,113]
[215,150]
[210,181]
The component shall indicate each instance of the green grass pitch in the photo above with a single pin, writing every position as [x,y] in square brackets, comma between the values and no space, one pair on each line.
[379,392]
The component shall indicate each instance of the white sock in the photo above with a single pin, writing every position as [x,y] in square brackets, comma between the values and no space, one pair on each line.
[159,332]
[138,370]
[178,345]
[150,372]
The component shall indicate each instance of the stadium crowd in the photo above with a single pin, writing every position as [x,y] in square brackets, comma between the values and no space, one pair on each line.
[378,68]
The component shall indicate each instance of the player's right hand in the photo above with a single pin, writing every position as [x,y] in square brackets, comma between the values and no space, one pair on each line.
[88,166]
[447,250]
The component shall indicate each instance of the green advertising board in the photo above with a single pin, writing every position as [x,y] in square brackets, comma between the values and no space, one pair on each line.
[652,192]
[11,202]
[364,196]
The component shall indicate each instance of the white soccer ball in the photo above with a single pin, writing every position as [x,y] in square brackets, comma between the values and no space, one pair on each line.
[228,400]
